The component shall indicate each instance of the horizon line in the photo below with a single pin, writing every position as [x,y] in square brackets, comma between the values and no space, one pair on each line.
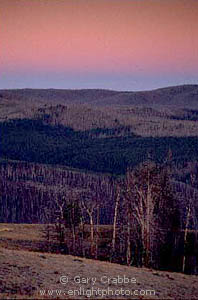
[103,89]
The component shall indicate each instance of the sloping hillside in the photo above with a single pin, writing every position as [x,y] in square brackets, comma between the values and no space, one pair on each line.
[184,95]
[171,111]
[27,274]
[41,275]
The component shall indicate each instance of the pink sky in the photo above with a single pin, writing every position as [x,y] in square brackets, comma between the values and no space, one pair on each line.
[135,40]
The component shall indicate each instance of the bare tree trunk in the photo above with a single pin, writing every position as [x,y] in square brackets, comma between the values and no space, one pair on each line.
[97,232]
[148,221]
[143,244]
[128,253]
[114,224]
[90,214]
[73,240]
[82,236]
[92,233]
[185,239]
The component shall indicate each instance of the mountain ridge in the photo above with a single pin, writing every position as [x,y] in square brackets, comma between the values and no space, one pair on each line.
[182,95]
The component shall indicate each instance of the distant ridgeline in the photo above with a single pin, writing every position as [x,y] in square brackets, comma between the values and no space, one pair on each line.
[183,95]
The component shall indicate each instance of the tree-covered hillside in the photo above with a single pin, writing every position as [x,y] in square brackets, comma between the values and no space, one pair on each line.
[34,141]
[170,111]
[183,95]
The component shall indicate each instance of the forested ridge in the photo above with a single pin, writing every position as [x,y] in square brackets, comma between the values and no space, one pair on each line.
[34,141]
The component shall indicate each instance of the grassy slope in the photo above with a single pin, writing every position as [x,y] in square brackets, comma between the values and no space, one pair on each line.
[23,273]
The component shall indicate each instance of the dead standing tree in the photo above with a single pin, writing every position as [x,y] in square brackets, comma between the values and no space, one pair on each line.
[190,225]
[144,208]
[91,205]
[150,209]
[72,218]
[89,208]
[68,218]
[115,218]
[130,221]
[60,202]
